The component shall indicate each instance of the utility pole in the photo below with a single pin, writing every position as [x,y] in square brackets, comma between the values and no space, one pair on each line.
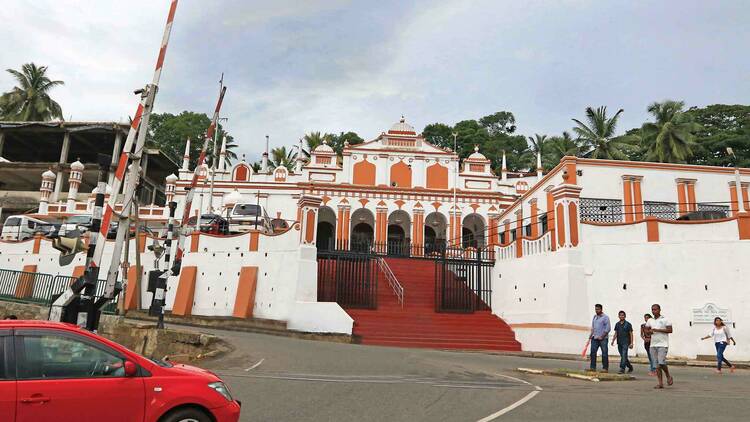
[214,158]
[737,182]
[455,182]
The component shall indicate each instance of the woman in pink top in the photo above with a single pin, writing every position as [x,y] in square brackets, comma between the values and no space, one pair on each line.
[722,337]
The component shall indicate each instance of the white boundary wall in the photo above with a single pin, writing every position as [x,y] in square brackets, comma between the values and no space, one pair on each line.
[548,299]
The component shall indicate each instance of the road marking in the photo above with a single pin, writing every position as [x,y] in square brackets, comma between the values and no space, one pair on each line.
[524,399]
[255,366]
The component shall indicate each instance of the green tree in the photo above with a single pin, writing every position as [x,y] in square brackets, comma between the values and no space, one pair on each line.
[721,126]
[280,157]
[670,138]
[169,132]
[439,134]
[30,100]
[337,142]
[500,122]
[558,147]
[597,136]
[313,140]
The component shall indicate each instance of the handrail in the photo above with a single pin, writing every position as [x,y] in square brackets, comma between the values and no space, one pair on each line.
[398,290]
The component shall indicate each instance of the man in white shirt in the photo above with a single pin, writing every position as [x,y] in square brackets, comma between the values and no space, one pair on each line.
[660,328]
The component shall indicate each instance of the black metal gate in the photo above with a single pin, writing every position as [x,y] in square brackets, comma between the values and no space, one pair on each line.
[463,280]
[349,278]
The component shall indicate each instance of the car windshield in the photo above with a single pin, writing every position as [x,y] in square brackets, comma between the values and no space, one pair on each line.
[246,209]
[13,221]
[79,219]
[207,219]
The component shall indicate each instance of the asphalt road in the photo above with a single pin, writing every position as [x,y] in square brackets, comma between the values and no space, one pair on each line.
[285,379]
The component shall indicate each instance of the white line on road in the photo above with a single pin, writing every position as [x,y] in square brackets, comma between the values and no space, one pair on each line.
[501,412]
[255,366]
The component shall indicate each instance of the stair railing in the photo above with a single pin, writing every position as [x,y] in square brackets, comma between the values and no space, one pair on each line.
[398,290]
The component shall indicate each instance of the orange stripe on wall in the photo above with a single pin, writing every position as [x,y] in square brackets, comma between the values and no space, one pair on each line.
[733,199]
[183,301]
[133,291]
[534,220]
[25,282]
[560,225]
[652,229]
[551,220]
[254,239]
[691,196]
[78,271]
[37,244]
[194,241]
[245,299]
[573,217]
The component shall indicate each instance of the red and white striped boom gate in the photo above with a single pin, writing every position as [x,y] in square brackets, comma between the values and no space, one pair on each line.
[66,307]
[193,183]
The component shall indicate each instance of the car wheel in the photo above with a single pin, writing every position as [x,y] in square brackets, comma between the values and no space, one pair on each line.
[186,415]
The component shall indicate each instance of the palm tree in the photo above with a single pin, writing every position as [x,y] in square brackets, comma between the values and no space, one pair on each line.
[561,146]
[30,100]
[598,138]
[280,157]
[670,139]
[313,140]
[536,142]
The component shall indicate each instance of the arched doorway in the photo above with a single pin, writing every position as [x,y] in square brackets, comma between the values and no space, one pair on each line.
[472,231]
[398,240]
[326,239]
[435,225]
[363,234]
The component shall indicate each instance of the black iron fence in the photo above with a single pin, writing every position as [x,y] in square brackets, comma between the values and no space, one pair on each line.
[463,280]
[348,278]
[42,289]
[396,248]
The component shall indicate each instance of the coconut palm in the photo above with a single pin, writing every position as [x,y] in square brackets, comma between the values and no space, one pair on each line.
[597,135]
[537,142]
[313,140]
[30,100]
[559,147]
[670,138]
[280,157]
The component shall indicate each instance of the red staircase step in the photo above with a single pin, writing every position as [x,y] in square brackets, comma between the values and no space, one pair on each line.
[416,324]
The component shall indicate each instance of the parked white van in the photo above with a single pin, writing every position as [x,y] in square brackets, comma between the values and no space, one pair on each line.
[20,227]
[246,217]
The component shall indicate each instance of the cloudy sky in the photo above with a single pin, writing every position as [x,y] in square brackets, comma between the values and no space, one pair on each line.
[296,66]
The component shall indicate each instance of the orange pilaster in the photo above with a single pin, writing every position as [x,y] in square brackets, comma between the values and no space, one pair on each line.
[692,206]
[551,219]
[682,198]
[652,229]
[133,291]
[637,199]
[183,301]
[628,199]
[534,219]
[245,299]
[25,283]
[519,233]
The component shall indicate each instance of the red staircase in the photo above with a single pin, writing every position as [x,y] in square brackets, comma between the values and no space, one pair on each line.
[416,324]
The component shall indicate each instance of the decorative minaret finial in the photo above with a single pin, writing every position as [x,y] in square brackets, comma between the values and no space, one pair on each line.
[539,168]
[223,154]
[476,148]
[48,185]
[264,160]
[186,157]
[76,175]
[504,169]
[300,160]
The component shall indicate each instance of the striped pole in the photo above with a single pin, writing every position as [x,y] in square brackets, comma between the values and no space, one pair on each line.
[194,182]
[138,128]
[160,293]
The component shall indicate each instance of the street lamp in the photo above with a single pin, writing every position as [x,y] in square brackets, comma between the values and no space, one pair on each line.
[737,183]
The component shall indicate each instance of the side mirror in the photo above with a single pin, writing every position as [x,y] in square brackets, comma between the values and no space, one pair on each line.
[131,369]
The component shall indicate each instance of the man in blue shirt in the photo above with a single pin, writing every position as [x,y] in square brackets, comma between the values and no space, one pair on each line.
[624,336]
[600,329]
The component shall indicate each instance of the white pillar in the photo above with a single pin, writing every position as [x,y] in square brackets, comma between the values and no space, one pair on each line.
[504,169]
[223,154]
[76,175]
[539,168]
[186,157]
[63,160]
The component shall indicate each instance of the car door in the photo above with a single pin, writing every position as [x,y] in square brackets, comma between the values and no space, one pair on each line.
[63,376]
[7,378]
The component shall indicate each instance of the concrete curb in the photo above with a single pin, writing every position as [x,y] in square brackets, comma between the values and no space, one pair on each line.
[583,377]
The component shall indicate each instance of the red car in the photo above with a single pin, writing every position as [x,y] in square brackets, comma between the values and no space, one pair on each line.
[58,372]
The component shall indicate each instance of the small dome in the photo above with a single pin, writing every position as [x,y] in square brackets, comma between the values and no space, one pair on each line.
[76,165]
[232,198]
[324,148]
[171,178]
[49,175]
[476,155]
[402,128]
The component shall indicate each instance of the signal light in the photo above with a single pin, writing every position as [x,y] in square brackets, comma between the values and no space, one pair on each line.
[69,246]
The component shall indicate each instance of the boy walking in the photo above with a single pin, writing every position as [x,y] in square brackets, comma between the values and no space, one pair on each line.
[600,328]
[660,328]
[646,336]
[624,337]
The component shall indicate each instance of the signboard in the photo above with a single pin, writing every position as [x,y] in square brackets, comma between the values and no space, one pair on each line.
[708,312]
